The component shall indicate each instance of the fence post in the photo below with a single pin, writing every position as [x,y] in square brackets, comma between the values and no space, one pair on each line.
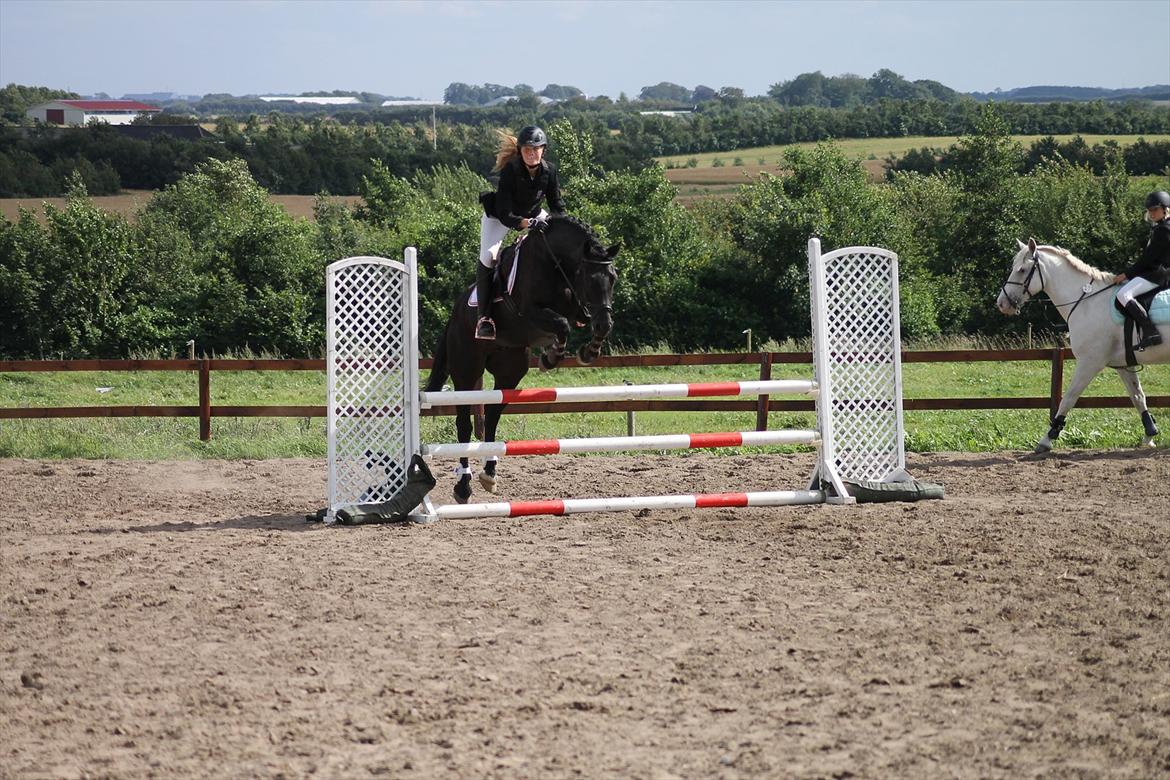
[1056,388]
[205,400]
[762,401]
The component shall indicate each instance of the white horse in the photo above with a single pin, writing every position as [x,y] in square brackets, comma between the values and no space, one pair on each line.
[1083,296]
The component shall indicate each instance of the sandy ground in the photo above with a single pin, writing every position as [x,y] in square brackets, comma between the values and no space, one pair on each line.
[182,620]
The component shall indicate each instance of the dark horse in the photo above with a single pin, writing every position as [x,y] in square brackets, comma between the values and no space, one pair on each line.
[565,276]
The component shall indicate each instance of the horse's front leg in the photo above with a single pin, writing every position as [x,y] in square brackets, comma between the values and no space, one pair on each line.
[491,419]
[462,490]
[1133,386]
[548,321]
[1084,374]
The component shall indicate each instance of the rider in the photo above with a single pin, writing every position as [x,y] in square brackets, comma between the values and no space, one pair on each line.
[1152,269]
[526,180]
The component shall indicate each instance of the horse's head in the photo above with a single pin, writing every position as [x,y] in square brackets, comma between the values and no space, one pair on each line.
[1024,280]
[577,247]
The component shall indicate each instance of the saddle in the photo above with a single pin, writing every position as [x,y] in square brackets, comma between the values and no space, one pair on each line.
[505,273]
[1156,303]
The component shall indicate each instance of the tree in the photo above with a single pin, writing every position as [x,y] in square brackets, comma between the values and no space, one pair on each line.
[987,164]
[703,94]
[558,92]
[807,89]
[731,96]
[665,91]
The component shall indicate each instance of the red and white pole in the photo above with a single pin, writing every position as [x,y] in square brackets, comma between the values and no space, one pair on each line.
[679,441]
[570,506]
[617,393]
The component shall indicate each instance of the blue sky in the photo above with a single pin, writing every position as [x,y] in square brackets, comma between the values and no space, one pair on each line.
[418,48]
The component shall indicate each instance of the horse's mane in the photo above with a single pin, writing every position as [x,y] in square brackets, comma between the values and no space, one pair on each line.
[1077,263]
[584,227]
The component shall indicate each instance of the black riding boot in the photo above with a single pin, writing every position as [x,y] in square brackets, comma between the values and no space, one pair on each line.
[1150,335]
[485,328]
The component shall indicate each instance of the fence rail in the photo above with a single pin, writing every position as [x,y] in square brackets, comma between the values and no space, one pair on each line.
[764,361]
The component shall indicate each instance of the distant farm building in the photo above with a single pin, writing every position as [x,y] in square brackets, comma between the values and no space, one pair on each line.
[82,112]
[320,101]
[420,102]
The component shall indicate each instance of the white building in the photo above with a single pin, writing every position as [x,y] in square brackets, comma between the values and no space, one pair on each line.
[419,102]
[320,101]
[80,112]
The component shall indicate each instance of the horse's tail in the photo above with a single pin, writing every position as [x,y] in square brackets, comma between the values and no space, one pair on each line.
[439,371]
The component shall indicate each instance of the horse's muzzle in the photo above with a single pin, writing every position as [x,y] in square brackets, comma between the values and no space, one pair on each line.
[602,323]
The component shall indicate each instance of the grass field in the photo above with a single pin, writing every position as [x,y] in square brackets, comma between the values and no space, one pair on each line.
[129,202]
[161,438]
[708,179]
[871,148]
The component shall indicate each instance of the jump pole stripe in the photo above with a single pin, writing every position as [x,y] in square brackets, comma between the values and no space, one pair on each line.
[673,441]
[617,392]
[570,506]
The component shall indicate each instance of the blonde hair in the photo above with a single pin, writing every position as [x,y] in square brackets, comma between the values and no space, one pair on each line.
[509,149]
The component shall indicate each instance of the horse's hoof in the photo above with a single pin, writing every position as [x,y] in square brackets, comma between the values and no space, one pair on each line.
[586,355]
[488,481]
[462,491]
[1148,441]
[1042,448]
[547,364]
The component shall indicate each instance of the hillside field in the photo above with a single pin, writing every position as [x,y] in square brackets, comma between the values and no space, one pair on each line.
[131,201]
[707,178]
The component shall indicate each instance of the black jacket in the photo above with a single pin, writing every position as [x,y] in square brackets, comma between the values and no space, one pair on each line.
[519,196]
[1154,263]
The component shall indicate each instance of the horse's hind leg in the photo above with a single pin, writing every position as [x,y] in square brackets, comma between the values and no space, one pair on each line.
[1133,386]
[462,488]
[1084,374]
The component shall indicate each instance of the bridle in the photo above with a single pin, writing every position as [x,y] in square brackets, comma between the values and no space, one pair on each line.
[1017,303]
[1033,271]
[578,300]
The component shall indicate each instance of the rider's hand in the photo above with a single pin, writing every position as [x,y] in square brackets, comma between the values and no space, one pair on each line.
[524,223]
[1120,278]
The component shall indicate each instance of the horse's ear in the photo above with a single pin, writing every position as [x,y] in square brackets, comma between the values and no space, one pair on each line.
[611,253]
[1031,245]
[1020,243]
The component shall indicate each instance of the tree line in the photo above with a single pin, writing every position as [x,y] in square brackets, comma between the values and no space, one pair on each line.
[1141,158]
[211,258]
[291,154]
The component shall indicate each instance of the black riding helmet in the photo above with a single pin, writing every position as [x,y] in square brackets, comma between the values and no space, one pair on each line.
[1158,198]
[534,136]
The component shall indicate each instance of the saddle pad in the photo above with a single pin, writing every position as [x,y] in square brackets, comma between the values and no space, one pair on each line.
[1159,310]
[473,300]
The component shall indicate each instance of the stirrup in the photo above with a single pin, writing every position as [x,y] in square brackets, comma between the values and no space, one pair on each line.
[485,329]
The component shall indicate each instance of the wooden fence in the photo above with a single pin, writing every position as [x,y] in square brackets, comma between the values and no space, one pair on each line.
[764,361]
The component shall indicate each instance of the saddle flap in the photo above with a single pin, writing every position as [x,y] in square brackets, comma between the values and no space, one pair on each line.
[509,262]
[1155,302]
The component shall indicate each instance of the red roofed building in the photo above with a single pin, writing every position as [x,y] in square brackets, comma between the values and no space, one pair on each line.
[81,112]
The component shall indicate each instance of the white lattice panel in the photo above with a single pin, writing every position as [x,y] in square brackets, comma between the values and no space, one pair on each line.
[372,378]
[859,364]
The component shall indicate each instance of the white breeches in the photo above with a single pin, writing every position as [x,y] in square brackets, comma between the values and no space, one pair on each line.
[492,233]
[1132,289]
